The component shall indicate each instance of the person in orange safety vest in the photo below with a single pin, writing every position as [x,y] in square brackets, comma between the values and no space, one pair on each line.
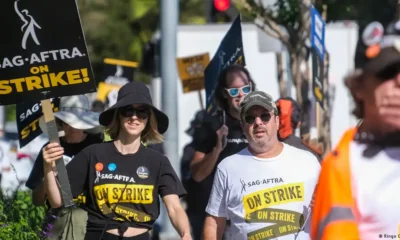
[358,192]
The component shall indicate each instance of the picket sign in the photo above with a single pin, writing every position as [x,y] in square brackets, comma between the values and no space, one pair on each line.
[191,73]
[52,132]
[43,57]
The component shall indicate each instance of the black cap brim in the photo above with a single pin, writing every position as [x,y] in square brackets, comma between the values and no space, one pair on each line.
[386,59]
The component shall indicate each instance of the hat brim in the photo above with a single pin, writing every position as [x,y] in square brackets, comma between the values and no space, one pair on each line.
[86,121]
[386,58]
[82,121]
[106,117]
[252,104]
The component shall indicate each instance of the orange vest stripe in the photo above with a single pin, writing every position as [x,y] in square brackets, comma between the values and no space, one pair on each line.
[334,213]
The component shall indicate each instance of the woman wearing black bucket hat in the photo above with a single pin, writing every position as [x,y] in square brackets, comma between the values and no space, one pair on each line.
[123,178]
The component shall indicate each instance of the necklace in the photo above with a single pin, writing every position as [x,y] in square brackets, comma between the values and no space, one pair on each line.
[383,140]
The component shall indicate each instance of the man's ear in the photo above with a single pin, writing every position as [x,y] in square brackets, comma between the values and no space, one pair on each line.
[277,121]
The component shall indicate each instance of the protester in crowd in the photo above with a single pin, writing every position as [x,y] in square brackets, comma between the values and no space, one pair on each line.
[188,154]
[289,112]
[123,178]
[99,106]
[358,190]
[78,127]
[259,187]
[216,139]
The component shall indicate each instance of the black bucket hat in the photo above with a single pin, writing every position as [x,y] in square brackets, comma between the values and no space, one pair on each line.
[135,93]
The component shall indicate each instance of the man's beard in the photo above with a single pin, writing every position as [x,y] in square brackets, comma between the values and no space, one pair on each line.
[261,142]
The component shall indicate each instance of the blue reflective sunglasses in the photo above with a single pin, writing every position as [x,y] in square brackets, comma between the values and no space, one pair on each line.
[234,92]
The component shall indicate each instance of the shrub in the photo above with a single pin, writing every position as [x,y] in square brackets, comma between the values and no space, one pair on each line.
[19,218]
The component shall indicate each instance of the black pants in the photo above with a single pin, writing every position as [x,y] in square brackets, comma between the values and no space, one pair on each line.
[109,236]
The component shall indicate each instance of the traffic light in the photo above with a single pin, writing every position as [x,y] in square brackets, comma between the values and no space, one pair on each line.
[221,11]
[222,5]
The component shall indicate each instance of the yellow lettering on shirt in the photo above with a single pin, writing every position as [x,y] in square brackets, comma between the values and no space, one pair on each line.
[133,193]
[273,196]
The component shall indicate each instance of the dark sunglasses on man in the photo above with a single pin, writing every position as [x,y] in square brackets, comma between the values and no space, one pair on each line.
[265,117]
[234,92]
[141,112]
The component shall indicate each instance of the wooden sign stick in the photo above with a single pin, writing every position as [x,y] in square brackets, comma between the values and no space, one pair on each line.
[52,132]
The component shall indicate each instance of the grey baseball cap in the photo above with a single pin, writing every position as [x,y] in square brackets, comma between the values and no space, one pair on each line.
[257,98]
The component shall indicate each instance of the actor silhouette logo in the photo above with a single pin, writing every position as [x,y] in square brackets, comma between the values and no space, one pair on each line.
[28,27]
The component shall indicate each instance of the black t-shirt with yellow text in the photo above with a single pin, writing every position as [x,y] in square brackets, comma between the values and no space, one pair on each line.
[122,188]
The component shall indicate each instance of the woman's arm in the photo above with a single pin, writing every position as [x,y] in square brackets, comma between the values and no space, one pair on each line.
[51,153]
[51,186]
[39,195]
[177,215]
[77,170]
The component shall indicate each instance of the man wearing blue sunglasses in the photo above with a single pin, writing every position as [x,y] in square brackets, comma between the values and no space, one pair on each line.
[215,140]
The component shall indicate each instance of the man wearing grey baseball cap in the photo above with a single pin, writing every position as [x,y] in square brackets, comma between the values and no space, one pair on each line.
[257,188]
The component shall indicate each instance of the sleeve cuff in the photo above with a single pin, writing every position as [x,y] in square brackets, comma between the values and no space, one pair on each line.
[215,213]
[169,192]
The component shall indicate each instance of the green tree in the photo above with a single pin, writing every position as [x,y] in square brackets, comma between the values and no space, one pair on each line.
[120,29]
[362,11]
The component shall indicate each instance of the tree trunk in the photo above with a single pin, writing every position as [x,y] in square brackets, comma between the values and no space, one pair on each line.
[325,133]
[302,87]
[282,82]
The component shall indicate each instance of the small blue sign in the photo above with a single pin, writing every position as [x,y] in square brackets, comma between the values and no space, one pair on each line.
[230,51]
[112,167]
[317,32]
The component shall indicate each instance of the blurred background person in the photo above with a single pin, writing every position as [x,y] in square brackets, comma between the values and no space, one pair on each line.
[289,112]
[188,153]
[359,180]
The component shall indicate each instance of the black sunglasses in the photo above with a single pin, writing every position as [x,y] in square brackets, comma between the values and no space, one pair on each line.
[129,111]
[265,117]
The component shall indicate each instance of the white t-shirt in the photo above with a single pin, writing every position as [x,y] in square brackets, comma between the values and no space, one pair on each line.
[265,198]
[376,188]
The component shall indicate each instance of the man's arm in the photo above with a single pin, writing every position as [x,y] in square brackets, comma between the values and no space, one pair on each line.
[214,228]
[203,164]
[217,211]
[177,215]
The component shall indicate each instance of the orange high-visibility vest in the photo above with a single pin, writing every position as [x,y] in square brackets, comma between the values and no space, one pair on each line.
[334,215]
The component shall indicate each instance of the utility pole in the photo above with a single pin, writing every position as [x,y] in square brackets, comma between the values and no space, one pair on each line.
[169,77]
